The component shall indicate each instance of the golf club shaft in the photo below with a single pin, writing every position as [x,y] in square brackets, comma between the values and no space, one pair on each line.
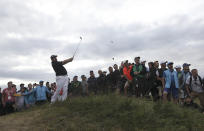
[77,48]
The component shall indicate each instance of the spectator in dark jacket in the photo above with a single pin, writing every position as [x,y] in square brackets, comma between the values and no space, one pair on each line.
[111,80]
[92,83]
[151,80]
[101,82]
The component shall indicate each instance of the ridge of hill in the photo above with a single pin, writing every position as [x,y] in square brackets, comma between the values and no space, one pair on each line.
[105,113]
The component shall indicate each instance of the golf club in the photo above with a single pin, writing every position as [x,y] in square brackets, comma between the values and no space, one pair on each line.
[77,46]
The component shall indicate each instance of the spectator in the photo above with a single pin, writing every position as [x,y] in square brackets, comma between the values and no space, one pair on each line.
[92,83]
[20,101]
[47,94]
[30,99]
[180,80]
[84,86]
[186,73]
[194,87]
[122,78]
[75,88]
[110,80]
[139,78]
[171,83]
[160,82]
[8,98]
[40,92]
[117,77]
[126,71]
[151,82]
[101,82]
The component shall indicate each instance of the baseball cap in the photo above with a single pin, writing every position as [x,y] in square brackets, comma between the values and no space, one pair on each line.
[163,62]
[41,81]
[53,56]
[142,60]
[138,57]
[186,64]
[177,66]
[169,63]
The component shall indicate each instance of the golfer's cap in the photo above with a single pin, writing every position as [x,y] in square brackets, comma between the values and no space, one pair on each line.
[41,81]
[163,62]
[53,56]
[177,67]
[170,63]
[186,64]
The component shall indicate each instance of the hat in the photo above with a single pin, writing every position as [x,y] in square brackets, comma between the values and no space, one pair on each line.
[125,61]
[186,64]
[138,57]
[170,63]
[53,56]
[163,62]
[178,66]
[142,60]
[41,81]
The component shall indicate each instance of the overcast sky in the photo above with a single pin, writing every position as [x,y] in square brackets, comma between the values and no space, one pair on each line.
[32,30]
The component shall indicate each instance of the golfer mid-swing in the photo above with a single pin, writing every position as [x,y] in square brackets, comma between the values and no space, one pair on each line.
[61,77]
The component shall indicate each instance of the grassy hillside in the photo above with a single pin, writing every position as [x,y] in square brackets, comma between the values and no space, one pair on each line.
[104,113]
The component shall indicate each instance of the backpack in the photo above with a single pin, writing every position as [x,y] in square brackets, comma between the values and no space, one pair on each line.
[200,79]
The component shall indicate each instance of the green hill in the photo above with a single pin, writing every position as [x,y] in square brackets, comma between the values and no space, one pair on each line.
[104,113]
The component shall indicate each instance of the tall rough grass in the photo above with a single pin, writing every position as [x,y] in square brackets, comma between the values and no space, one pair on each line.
[118,113]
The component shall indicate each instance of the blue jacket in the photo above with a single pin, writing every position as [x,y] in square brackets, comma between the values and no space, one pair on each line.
[40,93]
[30,99]
[167,77]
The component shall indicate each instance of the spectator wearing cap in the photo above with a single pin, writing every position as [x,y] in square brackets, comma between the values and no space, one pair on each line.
[61,78]
[186,73]
[92,83]
[171,83]
[126,71]
[180,80]
[139,77]
[84,86]
[40,92]
[159,74]
[194,87]
[143,62]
